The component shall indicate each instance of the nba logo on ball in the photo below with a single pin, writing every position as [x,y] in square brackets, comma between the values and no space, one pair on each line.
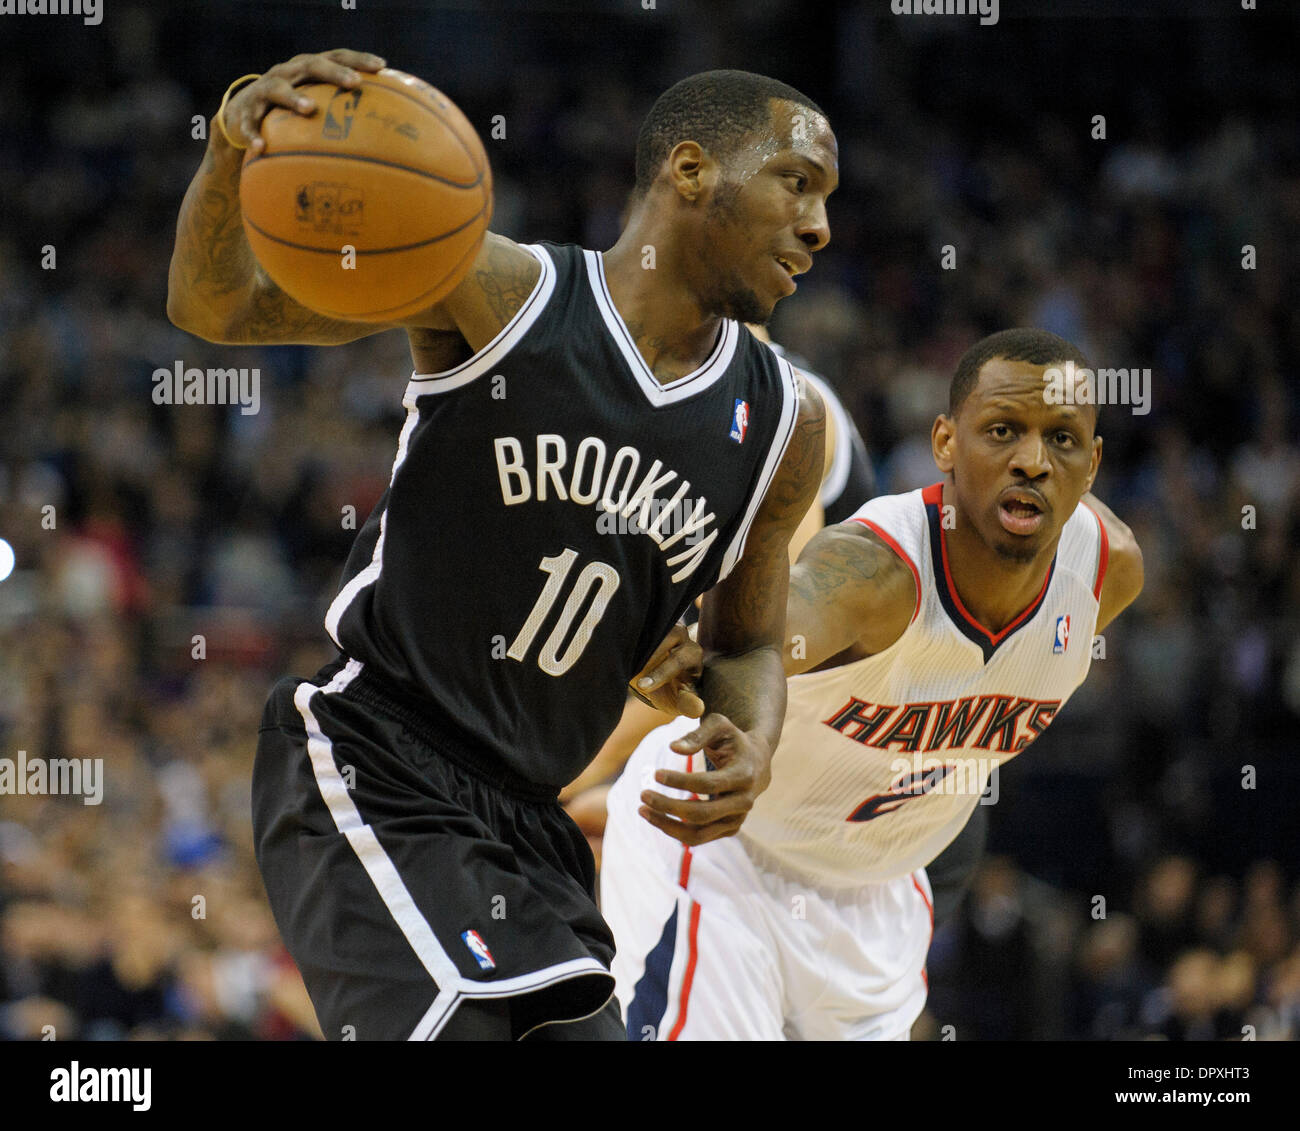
[740,421]
[478,948]
[338,114]
[1062,635]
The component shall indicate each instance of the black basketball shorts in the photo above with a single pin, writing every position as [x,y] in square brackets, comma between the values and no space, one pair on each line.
[405,884]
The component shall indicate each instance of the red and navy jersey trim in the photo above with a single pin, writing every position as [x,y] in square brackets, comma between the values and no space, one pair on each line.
[893,545]
[966,624]
[1103,555]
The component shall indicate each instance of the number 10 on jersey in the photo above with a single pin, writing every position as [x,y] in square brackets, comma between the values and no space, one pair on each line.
[598,576]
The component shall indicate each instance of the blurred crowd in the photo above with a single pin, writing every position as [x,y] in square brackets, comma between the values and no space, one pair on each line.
[173,561]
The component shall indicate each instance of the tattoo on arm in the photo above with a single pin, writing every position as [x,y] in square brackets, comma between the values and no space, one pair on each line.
[274,316]
[800,476]
[832,564]
[849,590]
[214,271]
[506,280]
[212,254]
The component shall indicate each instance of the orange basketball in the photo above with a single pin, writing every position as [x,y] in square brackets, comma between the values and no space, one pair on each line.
[372,208]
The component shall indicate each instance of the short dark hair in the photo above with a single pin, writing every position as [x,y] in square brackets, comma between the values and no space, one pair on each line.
[1023,343]
[718,109]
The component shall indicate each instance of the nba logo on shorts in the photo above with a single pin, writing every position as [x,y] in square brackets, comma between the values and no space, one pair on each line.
[478,948]
[740,421]
[1062,635]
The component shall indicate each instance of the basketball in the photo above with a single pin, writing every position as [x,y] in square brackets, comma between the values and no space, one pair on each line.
[374,207]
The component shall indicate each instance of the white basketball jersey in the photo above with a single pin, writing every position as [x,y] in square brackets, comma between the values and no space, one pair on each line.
[881,761]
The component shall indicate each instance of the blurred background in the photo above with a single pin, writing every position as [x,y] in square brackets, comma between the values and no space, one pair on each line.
[144,916]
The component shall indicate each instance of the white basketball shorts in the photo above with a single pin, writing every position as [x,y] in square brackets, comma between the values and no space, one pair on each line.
[713,946]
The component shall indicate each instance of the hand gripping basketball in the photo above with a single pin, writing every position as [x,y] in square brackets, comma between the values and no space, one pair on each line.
[241,120]
[368,194]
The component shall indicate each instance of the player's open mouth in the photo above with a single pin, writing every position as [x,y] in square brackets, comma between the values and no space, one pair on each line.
[789,271]
[1020,512]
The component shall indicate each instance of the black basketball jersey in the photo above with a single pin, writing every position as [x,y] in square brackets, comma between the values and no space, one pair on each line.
[552,510]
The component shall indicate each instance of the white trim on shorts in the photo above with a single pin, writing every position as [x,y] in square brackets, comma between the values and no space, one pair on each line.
[383,873]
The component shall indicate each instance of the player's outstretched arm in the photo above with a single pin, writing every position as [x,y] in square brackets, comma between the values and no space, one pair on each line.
[1124,570]
[849,590]
[742,631]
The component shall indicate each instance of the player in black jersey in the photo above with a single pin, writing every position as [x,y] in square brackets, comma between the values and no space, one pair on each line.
[591,441]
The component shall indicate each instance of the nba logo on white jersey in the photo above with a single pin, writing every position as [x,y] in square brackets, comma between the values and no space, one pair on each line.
[1062,635]
[740,421]
[478,948]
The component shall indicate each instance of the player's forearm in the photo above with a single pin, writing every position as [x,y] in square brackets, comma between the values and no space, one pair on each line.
[215,288]
[813,633]
[212,268]
[816,626]
[742,632]
[749,689]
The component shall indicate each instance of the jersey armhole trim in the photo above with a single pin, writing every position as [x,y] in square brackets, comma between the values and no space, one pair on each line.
[1103,555]
[916,574]
[507,338]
